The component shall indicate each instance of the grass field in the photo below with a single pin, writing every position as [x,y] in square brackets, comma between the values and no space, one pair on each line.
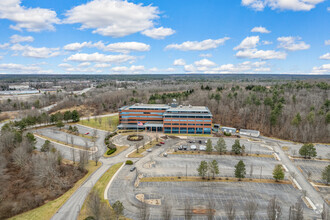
[61,142]
[49,209]
[108,123]
[141,150]
[100,186]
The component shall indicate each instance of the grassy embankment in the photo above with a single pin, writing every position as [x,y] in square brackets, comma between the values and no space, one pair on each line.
[100,186]
[47,210]
[108,123]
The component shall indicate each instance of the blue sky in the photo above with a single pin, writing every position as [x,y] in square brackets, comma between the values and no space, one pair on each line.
[157,36]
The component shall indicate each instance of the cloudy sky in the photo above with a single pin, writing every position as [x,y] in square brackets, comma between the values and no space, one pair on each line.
[164,36]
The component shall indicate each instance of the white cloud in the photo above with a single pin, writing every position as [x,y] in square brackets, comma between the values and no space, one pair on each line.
[84,64]
[119,69]
[158,33]
[102,58]
[204,62]
[262,69]
[292,43]
[248,43]
[20,68]
[17,39]
[126,47]
[121,47]
[155,69]
[64,65]
[102,65]
[179,62]
[260,29]
[136,68]
[261,54]
[266,42]
[4,46]
[325,56]
[31,19]
[205,55]
[294,5]
[198,45]
[40,52]
[325,68]
[115,18]
[190,68]
[327,42]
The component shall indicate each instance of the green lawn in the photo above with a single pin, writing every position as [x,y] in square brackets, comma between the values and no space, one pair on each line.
[108,123]
[50,208]
[100,186]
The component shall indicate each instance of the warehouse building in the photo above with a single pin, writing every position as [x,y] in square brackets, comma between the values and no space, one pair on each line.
[170,119]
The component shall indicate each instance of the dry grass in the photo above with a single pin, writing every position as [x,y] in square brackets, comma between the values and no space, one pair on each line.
[216,153]
[217,179]
[49,209]
[100,186]
[61,142]
[82,109]
[285,148]
[141,150]
[118,151]
[105,123]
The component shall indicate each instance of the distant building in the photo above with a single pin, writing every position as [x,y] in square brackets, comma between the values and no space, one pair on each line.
[252,133]
[228,130]
[171,119]
[19,87]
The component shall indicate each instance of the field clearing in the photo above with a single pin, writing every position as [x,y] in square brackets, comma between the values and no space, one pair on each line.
[108,123]
[49,209]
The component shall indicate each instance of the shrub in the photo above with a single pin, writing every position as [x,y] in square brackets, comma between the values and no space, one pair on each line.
[227,134]
[129,162]
[111,151]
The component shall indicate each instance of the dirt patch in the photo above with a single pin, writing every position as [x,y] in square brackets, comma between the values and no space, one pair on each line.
[203,211]
[141,198]
[149,164]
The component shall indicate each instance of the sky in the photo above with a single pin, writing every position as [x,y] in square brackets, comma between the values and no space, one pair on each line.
[164,36]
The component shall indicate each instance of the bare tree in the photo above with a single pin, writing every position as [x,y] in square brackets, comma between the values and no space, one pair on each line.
[251,170]
[296,212]
[230,210]
[144,211]
[96,156]
[73,155]
[83,159]
[137,148]
[20,157]
[325,212]
[166,211]
[188,210]
[210,210]
[250,210]
[94,205]
[274,210]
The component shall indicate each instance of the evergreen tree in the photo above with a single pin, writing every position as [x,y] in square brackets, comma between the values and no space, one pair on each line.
[221,146]
[209,147]
[278,173]
[240,170]
[326,174]
[236,148]
[118,208]
[202,169]
[75,116]
[214,168]
[308,150]
[46,146]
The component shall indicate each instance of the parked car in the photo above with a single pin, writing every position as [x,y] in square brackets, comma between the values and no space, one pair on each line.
[86,133]
[162,142]
[180,147]
[158,145]
[149,150]
[165,154]
[193,147]
[205,142]
[200,142]
[185,147]
[202,147]
[132,169]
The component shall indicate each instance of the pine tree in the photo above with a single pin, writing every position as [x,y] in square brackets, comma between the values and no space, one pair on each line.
[326,174]
[202,169]
[214,168]
[240,170]
[308,150]
[278,173]
[209,147]
[221,146]
[236,148]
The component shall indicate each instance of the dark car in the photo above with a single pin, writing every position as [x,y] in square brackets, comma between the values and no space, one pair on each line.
[180,147]
[200,142]
[185,147]
[132,169]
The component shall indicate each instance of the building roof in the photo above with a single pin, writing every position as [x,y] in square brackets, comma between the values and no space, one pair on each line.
[139,105]
[189,108]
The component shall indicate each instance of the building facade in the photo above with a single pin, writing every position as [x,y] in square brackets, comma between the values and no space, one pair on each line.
[170,119]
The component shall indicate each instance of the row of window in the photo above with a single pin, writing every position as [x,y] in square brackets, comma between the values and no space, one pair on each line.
[186,116]
[188,112]
[189,124]
[147,108]
[187,120]
[189,130]
[142,113]
[144,116]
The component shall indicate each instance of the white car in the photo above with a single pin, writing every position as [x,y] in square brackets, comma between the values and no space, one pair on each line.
[193,147]
[149,150]
[202,147]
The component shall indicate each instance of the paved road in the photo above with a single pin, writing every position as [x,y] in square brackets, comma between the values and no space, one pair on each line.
[302,181]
